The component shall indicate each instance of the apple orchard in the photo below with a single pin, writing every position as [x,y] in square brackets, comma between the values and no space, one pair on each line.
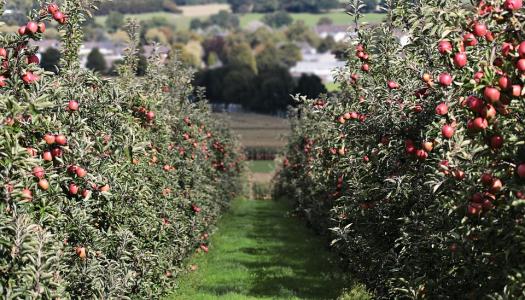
[106,185]
[416,170]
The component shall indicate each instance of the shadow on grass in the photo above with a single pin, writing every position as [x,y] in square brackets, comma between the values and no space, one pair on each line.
[261,252]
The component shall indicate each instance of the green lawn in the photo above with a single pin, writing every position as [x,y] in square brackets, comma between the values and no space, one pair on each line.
[339,18]
[261,166]
[261,252]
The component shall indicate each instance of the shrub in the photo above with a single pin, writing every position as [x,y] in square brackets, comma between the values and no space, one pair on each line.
[106,186]
[416,168]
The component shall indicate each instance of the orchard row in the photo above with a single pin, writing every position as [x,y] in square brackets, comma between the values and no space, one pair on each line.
[106,186]
[417,168]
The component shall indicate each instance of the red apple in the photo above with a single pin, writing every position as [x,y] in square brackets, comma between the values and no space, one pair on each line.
[49,139]
[512,4]
[504,82]
[486,179]
[61,140]
[22,30]
[46,156]
[442,109]
[516,90]
[41,27]
[470,40]
[521,49]
[445,79]
[52,8]
[492,94]
[32,27]
[480,29]
[489,112]
[56,152]
[496,142]
[520,170]
[460,59]
[43,184]
[444,47]
[72,105]
[447,131]
[39,172]
[80,172]
[73,189]
[27,194]
[365,68]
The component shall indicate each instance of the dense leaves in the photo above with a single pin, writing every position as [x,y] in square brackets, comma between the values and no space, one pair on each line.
[416,168]
[105,186]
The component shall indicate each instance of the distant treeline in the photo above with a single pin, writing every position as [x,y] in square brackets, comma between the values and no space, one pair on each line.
[242,6]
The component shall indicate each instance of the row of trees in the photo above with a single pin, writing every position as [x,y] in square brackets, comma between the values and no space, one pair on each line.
[416,170]
[106,186]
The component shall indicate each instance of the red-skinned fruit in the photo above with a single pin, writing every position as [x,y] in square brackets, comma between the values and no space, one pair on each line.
[521,49]
[470,40]
[80,172]
[43,184]
[61,140]
[460,59]
[31,27]
[47,156]
[504,82]
[520,65]
[39,172]
[492,94]
[49,139]
[496,142]
[444,47]
[486,179]
[52,8]
[447,131]
[516,90]
[56,152]
[520,170]
[72,105]
[73,189]
[496,186]
[445,79]
[27,194]
[513,4]
[489,112]
[480,29]
[442,109]
[22,30]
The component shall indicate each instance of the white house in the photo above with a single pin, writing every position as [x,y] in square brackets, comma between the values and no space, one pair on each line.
[320,64]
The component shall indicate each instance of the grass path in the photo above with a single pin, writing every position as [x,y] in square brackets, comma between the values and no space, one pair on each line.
[260,252]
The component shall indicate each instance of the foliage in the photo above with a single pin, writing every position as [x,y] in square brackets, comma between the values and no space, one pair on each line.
[50,60]
[310,86]
[114,21]
[96,61]
[106,186]
[277,19]
[416,176]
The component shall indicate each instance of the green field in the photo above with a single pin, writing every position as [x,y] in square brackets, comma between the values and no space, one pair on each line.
[183,22]
[262,252]
[261,166]
[339,18]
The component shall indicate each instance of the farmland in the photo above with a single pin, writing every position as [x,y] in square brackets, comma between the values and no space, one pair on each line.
[256,130]
[182,21]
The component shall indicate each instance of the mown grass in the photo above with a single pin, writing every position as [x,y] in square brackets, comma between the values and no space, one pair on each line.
[338,18]
[261,252]
[261,166]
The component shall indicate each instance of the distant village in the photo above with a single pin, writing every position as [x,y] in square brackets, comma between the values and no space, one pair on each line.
[313,62]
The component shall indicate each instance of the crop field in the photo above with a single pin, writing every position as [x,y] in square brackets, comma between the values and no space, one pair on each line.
[255,130]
